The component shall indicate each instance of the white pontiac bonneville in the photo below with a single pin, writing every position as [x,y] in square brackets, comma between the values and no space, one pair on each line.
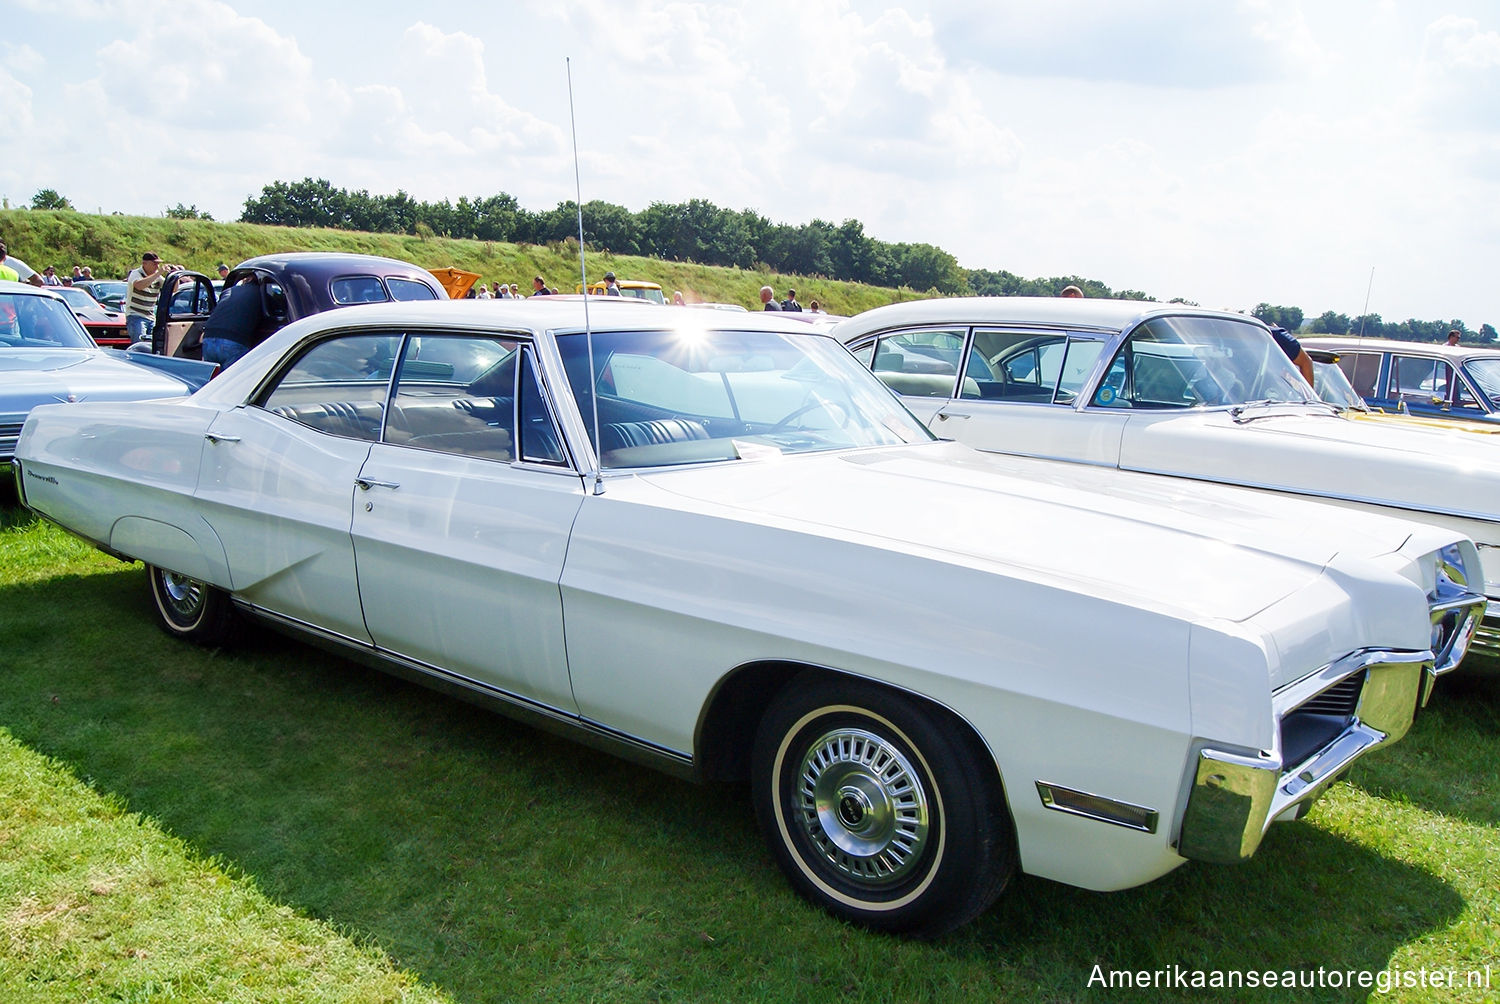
[1172,390]
[714,543]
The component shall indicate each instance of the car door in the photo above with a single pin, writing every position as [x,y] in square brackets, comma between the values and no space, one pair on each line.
[1022,392]
[278,480]
[186,300]
[462,516]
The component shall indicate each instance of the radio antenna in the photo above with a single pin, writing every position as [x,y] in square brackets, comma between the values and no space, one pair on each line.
[1366,312]
[583,277]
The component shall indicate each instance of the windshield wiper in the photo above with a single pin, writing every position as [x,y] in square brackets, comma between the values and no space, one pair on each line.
[1238,412]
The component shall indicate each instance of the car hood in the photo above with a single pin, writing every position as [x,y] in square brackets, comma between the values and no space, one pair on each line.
[1196,550]
[1421,469]
[33,376]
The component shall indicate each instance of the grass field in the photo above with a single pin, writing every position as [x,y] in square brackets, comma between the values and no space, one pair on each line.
[112,245]
[278,824]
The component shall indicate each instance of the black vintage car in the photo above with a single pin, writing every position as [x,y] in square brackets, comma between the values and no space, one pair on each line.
[291,286]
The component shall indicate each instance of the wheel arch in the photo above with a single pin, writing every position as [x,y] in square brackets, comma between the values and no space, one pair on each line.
[727,725]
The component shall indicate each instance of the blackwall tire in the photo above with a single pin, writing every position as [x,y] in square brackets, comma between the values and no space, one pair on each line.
[878,809]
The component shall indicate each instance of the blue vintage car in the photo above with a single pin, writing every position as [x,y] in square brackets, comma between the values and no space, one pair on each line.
[1421,378]
[47,357]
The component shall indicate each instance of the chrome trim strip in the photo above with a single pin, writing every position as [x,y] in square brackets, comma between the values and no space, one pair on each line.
[1049,793]
[1234,796]
[1471,608]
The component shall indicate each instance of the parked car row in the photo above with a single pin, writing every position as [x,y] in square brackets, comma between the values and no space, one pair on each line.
[715,543]
[1176,391]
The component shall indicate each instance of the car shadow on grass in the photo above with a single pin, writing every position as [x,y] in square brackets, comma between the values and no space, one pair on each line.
[1446,764]
[502,863]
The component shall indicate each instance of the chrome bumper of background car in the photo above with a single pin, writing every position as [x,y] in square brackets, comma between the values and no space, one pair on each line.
[1458,618]
[1486,640]
[1234,796]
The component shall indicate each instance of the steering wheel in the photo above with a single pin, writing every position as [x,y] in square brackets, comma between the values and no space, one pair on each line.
[839,414]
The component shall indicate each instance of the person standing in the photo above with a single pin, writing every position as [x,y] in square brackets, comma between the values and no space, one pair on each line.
[23,271]
[142,289]
[790,303]
[611,285]
[49,277]
[1294,351]
[768,299]
[1071,293]
[236,324]
[1455,336]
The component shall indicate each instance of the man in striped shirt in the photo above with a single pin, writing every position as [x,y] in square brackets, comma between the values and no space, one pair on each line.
[140,302]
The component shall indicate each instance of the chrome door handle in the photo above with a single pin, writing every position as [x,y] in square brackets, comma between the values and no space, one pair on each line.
[214,437]
[945,415]
[368,483]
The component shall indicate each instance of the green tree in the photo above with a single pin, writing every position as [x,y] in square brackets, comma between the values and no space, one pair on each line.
[1486,333]
[48,198]
[181,212]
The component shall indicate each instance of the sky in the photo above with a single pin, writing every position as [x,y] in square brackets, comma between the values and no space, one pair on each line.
[1311,154]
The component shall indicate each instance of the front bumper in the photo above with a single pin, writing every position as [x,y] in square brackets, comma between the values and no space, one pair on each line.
[1486,640]
[1234,796]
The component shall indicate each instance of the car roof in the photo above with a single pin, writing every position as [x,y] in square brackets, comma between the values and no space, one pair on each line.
[335,263]
[7,286]
[1351,343]
[1044,311]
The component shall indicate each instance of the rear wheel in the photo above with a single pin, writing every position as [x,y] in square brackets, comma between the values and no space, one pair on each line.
[190,609]
[878,811]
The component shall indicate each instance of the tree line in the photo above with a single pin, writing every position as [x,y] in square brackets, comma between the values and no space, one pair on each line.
[696,231]
[1370,325]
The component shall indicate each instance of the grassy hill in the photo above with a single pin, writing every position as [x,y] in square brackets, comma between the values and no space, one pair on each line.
[112,245]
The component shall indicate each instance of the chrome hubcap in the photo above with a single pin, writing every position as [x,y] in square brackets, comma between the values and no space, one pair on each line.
[863,807]
[183,595]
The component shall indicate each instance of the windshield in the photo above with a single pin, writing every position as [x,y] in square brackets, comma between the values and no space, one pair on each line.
[1486,373]
[30,321]
[76,297]
[1332,386]
[690,395]
[1190,362]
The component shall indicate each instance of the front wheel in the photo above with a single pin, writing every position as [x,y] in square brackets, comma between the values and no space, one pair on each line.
[878,812]
[190,609]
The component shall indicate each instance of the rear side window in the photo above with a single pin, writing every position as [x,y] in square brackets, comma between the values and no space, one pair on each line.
[357,289]
[409,289]
[338,386]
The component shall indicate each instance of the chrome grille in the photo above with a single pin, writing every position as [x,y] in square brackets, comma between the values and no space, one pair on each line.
[8,436]
[1340,699]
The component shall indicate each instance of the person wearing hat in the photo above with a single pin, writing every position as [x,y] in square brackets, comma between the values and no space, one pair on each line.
[223,271]
[611,285]
[143,287]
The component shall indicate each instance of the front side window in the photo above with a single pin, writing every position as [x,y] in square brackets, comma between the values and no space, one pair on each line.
[1190,362]
[337,385]
[691,395]
[920,363]
[1030,366]
[1419,380]
[437,405]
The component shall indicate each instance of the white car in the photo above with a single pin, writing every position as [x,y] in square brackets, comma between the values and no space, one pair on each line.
[1173,390]
[935,667]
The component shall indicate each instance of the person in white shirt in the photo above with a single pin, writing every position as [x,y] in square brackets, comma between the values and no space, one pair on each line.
[24,272]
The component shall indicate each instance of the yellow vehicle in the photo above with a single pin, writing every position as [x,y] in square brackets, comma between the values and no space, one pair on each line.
[456,281]
[630,287]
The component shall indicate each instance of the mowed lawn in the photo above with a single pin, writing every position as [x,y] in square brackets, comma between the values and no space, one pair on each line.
[275,823]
